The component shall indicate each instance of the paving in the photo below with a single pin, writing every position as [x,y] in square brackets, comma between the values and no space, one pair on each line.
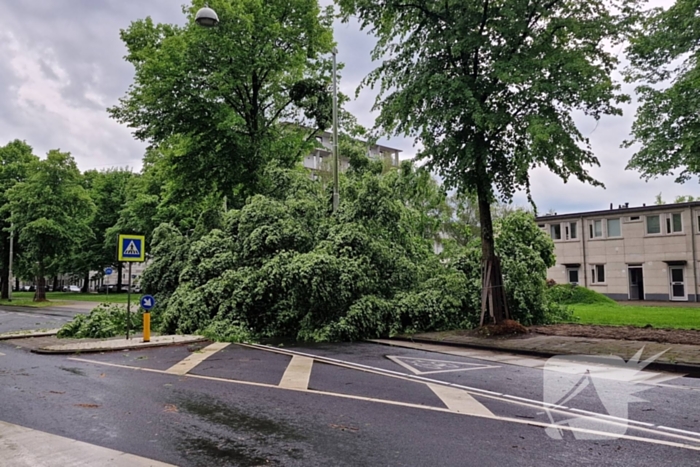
[683,358]
[339,404]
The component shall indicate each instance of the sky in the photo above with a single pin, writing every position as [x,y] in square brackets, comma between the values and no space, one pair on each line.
[61,66]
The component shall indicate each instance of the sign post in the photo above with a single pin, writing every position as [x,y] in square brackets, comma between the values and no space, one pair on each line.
[108,272]
[147,302]
[132,249]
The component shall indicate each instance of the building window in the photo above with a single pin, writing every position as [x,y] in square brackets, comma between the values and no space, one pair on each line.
[653,225]
[598,274]
[571,233]
[614,228]
[634,218]
[573,275]
[556,231]
[596,229]
[674,223]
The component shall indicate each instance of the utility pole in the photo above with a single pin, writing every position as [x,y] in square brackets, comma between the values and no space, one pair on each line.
[336,193]
[9,273]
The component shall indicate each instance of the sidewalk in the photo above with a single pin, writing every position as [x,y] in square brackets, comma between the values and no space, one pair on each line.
[677,358]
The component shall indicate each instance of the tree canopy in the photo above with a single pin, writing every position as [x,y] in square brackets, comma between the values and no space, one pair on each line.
[490,88]
[665,60]
[51,211]
[212,99]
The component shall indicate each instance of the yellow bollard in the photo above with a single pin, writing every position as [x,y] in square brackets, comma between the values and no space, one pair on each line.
[147,327]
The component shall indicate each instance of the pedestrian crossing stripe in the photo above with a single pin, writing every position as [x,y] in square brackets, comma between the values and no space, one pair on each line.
[132,248]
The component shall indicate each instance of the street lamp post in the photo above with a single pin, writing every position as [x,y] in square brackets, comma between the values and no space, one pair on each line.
[336,194]
[206,17]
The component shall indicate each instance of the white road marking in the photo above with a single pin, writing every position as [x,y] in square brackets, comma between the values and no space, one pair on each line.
[474,391]
[429,408]
[655,378]
[419,365]
[24,447]
[460,401]
[195,358]
[297,373]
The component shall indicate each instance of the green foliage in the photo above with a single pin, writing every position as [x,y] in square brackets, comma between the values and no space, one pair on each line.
[281,266]
[526,253]
[213,98]
[490,89]
[664,53]
[51,211]
[570,294]
[105,320]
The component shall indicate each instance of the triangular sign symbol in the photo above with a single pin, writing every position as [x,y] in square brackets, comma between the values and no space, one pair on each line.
[425,366]
[131,250]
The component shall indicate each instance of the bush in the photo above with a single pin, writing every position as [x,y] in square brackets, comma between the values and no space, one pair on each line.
[106,320]
[571,294]
[282,266]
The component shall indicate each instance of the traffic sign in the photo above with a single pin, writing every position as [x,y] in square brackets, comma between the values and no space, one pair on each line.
[148,302]
[132,248]
[108,271]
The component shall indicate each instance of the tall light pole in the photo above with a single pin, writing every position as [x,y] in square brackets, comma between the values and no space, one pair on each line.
[9,275]
[336,193]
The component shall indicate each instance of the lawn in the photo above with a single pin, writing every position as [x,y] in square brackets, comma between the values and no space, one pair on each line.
[59,298]
[612,314]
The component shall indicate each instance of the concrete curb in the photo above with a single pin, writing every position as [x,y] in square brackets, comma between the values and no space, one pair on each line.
[24,335]
[134,346]
[687,368]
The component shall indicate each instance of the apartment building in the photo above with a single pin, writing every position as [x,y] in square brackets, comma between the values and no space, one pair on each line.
[321,159]
[629,253]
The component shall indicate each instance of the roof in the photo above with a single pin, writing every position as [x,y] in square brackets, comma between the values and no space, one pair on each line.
[619,211]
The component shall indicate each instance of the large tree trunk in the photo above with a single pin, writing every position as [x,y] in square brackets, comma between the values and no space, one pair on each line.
[40,294]
[86,282]
[4,284]
[16,283]
[55,283]
[493,296]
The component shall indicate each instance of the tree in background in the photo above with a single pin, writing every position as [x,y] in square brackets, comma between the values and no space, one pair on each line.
[211,99]
[51,211]
[489,90]
[665,60]
[108,191]
[15,159]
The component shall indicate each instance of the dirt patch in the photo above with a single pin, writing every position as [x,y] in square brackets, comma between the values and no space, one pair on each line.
[507,328]
[669,336]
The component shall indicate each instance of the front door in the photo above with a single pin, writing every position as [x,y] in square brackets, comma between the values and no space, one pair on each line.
[636,283]
[678,291]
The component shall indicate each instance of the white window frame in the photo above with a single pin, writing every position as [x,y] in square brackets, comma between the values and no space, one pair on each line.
[668,223]
[661,225]
[567,228]
[551,232]
[594,274]
[591,229]
[607,231]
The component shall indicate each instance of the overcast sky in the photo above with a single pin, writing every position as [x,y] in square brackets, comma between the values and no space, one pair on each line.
[61,66]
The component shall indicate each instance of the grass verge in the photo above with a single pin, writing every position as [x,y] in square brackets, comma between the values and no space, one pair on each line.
[612,314]
[60,298]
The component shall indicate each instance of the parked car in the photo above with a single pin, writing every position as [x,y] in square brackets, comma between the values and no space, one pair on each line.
[73,288]
[28,288]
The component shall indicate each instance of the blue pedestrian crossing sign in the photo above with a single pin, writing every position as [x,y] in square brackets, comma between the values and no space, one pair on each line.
[132,248]
[148,302]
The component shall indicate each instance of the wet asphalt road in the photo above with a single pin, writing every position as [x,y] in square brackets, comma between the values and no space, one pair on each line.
[228,410]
